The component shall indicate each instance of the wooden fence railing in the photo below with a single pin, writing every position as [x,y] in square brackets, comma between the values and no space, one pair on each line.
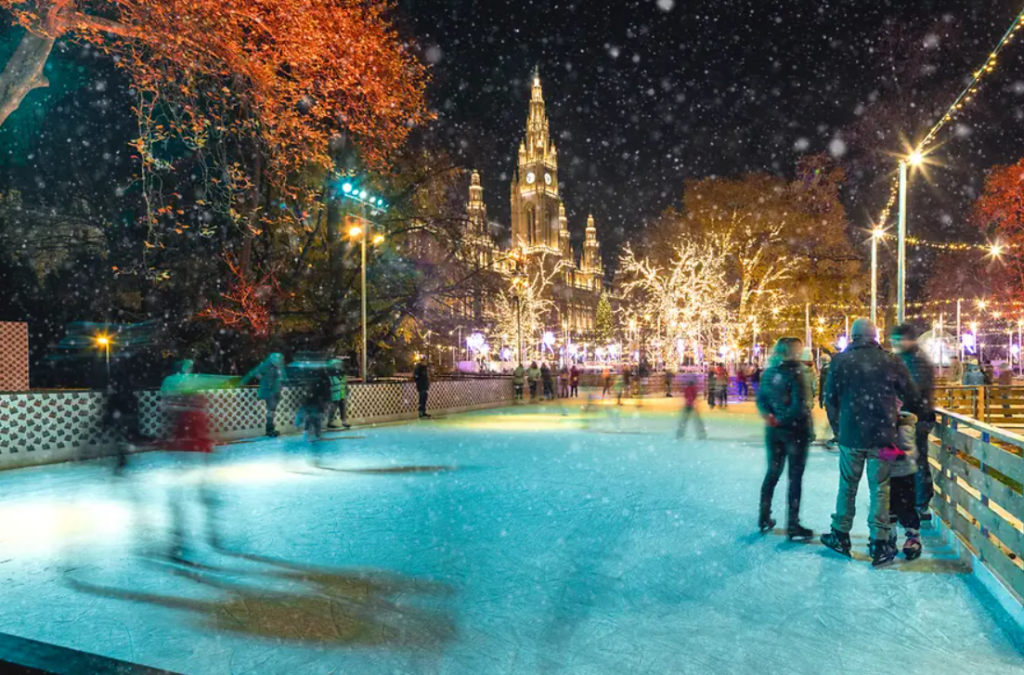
[978,471]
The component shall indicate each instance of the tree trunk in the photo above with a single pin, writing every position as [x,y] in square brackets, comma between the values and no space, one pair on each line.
[23,72]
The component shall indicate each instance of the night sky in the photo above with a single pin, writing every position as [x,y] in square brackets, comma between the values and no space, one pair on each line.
[644,94]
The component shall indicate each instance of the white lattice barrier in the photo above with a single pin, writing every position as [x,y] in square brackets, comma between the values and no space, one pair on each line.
[37,428]
[48,427]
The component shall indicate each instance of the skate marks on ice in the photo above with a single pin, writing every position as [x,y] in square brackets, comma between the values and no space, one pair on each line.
[281,600]
[938,557]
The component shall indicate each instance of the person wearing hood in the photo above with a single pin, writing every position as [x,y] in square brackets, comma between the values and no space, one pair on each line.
[782,401]
[973,377]
[518,377]
[271,374]
[339,392]
[865,388]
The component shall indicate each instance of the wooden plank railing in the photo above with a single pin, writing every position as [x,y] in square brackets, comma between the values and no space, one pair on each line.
[962,400]
[978,472]
[998,405]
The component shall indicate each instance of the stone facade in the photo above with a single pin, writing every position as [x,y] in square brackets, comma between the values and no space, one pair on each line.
[540,229]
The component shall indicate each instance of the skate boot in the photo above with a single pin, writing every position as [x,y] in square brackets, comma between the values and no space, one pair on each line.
[882,552]
[765,524]
[838,542]
[926,516]
[799,533]
[912,546]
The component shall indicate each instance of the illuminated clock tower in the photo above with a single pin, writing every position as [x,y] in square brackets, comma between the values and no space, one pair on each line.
[536,204]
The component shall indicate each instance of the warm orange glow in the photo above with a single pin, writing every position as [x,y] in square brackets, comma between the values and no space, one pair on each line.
[355,231]
[103,340]
[378,240]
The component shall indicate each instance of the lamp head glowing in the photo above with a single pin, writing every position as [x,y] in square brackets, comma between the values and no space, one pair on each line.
[103,340]
[915,158]
[355,231]
[982,304]
[378,240]
[995,250]
[878,233]
[346,188]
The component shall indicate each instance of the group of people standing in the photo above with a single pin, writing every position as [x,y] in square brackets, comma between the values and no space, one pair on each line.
[880,406]
[541,381]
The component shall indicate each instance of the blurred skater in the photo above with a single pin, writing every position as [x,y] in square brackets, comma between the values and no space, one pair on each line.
[547,381]
[606,381]
[121,416]
[574,381]
[182,396]
[690,394]
[782,401]
[563,382]
[668,383]
[903,486]
[271,374]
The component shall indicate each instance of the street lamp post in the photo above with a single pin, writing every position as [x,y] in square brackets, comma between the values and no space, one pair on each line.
[875,236]
[104,341]
[914,159]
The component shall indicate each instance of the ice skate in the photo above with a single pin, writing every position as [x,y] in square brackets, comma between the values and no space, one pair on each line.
[838,542]
[912,546]
[882,552]
[799,533]
[765,524]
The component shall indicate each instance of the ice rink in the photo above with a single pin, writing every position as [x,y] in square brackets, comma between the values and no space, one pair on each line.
[510,541]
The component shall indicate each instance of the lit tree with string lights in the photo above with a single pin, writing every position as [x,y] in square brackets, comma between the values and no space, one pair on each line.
[685,299]
[524,307]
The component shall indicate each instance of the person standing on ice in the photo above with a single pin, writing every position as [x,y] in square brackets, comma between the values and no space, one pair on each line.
[421,376]
[339,392]
[782,401]
[904,341]
[518,376]
[574,381]
[862,396]
[547,381]
[533,377]
[956,370]
[271,375]
[563,382]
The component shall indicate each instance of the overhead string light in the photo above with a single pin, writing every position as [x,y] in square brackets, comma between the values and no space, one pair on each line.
[965,97]
[994,250]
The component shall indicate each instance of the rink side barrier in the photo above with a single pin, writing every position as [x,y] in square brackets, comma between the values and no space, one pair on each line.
[47,427]
[998,405]
[978,471]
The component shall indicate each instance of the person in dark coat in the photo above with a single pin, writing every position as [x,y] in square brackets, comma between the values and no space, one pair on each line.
[547,381]
[904,340]
[862,396]
[574,381]
[421,376]
[826,365]
[782,401]
[271,374]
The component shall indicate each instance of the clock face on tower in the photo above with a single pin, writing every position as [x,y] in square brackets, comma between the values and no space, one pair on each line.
[547,178]
[530,178]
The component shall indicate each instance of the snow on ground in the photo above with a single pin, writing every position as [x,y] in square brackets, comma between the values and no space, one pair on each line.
[508,541]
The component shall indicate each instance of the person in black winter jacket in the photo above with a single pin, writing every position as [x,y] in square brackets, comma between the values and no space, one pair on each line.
[421,376]
[782,401]
[904,340]
[862,396]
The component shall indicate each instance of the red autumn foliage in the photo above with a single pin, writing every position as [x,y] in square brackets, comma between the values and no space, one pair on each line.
[1000,209]
[246,304]
[286,74]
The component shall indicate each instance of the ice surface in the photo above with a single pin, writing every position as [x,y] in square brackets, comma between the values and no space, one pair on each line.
[513,541]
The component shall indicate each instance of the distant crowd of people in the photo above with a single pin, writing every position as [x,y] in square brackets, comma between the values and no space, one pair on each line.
[540,381]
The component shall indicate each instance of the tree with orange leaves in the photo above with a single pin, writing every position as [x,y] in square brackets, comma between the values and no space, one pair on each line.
[1000,210]
[289,74]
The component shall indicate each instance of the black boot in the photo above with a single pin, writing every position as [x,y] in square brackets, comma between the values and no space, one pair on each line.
[765,523]
[882,552]
[799,532]
[838,542]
